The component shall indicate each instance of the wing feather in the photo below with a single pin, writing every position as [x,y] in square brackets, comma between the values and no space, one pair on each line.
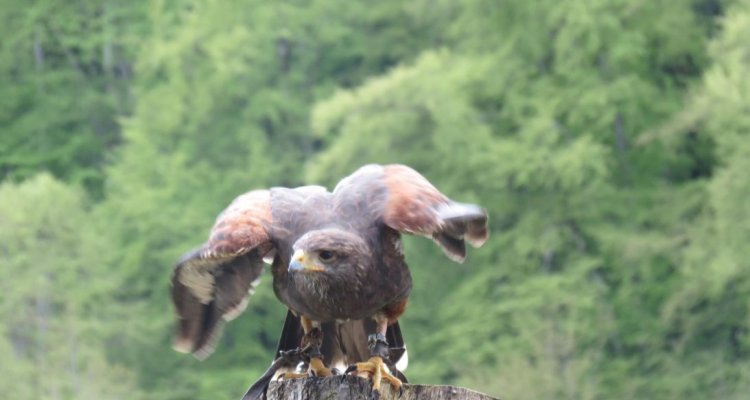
[409,203]
[413,205]
[211,284]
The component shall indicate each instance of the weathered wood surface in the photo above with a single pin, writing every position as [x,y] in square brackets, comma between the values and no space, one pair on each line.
[347,387]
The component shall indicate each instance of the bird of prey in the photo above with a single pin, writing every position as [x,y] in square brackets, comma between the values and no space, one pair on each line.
[336,260]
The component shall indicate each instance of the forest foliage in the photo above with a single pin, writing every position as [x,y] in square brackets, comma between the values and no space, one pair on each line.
[609,141]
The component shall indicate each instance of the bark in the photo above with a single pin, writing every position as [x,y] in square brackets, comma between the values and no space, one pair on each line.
[352,387]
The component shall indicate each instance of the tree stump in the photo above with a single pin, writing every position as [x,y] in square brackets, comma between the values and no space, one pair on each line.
[346,387]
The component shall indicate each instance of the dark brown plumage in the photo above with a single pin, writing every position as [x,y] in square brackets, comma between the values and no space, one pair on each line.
[336,257]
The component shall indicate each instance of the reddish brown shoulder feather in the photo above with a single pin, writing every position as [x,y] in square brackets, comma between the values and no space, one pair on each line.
[242,226]
[415,206]
[412,201]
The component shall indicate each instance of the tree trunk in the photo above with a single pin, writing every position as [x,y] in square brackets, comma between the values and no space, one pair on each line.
[352,387]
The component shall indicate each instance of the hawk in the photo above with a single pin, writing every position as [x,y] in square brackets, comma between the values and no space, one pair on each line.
[337,264]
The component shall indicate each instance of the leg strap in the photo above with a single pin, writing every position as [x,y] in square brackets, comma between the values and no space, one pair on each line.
[378,345]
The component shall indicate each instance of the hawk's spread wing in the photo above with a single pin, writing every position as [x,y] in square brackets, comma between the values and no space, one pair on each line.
[409,203]
[211,284]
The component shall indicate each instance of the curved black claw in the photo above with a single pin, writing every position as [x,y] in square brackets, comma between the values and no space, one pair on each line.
[395,371]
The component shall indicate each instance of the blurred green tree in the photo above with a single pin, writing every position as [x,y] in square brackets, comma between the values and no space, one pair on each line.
[53,332]
[606,139]
[67,72]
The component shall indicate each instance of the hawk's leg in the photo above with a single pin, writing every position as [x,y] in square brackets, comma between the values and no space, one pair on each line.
[378,367]
[310,345]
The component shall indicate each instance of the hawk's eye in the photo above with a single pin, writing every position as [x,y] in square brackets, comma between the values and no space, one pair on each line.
[326,256]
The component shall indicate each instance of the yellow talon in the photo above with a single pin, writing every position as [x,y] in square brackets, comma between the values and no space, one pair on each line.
[376,368]
[315,368]
[293,375]
[318,368]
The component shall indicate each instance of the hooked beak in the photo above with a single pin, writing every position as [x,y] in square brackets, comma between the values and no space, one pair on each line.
[302,262]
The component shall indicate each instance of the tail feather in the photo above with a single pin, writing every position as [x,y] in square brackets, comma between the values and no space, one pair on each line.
[291,334]
[398,354]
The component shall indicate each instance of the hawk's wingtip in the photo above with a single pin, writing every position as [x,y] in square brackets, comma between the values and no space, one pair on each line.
[182,345]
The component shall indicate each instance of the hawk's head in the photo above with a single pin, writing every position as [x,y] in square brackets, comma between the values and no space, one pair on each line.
[330,251]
